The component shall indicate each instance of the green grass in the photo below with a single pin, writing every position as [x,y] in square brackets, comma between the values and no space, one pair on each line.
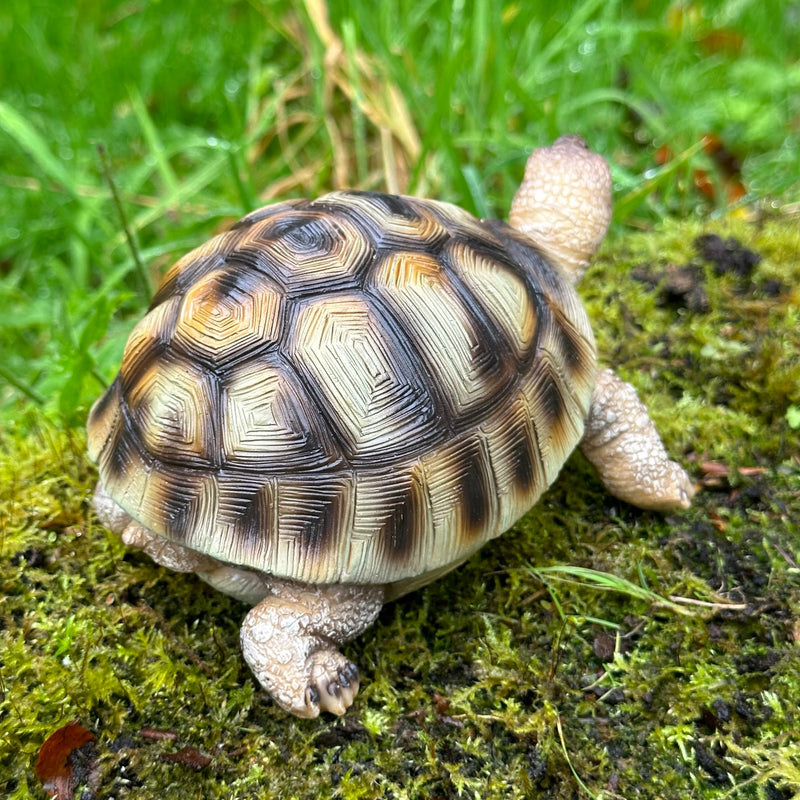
[595,650]
[209,109]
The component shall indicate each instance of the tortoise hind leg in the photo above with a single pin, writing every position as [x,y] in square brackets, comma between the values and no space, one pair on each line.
[623,444]
[290,642]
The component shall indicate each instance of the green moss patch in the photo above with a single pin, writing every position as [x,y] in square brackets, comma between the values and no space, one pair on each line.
[498,681]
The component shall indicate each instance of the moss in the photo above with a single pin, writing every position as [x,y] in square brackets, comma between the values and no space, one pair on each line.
[490,683]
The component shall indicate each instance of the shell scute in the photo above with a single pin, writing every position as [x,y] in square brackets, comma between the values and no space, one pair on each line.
[501,292]
[307,250]
[147,343]
[390,222]
[268,422]
[368,382]
[455,344]
[391,525]
[194,265]
[175,406]
[225,317]
[313,512]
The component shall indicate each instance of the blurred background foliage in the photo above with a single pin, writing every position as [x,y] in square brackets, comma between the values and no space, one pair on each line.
[206,110]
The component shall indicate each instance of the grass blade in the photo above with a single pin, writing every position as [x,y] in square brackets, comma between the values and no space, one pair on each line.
[21,386]
[583,576]
[30,141]
[154,143]
[356,101]
[573,27]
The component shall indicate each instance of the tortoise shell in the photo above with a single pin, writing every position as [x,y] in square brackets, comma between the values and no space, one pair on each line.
[362,388]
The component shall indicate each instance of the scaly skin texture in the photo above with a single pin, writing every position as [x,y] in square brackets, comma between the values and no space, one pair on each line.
[623,444]
[564,203]
[289,641]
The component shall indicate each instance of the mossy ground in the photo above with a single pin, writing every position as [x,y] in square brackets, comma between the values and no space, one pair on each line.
[496,681]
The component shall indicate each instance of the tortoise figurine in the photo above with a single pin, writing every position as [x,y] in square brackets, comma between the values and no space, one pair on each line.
[341,399]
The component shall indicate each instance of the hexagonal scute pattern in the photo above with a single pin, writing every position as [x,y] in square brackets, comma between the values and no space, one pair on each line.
[360,388]
[224,317]
[270,424]
[306,250]
[365,374]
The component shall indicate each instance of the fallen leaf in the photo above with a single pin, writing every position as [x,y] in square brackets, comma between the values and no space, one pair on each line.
[722,40]
[728,169]
[715,469]
[54,766]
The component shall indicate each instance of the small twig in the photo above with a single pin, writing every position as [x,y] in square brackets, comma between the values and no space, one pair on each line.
[141,272]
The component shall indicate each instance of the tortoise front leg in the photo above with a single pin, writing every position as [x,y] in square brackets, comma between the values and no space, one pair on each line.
[290,641]
[623,444]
